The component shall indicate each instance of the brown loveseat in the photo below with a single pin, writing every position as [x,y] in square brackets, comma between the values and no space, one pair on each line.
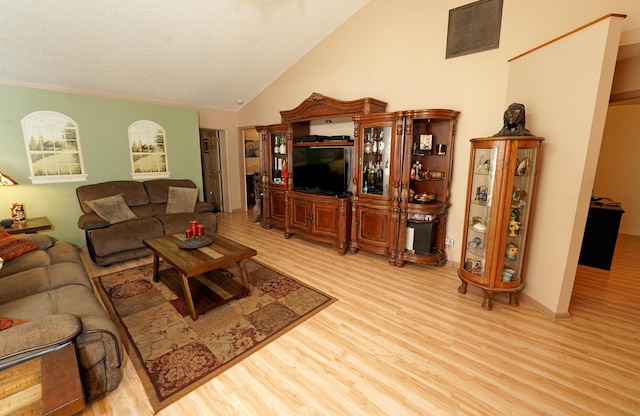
[47,301]
[151,212]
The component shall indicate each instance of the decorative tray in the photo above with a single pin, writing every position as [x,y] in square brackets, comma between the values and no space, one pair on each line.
[424,198]
[193,242]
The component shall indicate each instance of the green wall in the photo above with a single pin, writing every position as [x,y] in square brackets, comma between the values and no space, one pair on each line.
[102,125]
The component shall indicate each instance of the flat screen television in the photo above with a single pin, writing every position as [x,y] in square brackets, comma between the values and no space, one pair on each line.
[320,169]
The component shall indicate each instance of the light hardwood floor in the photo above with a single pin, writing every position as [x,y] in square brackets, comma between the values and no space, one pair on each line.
[402,341]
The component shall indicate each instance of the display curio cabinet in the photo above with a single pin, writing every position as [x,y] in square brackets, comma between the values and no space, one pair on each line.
[377,178]
[427,160]
[501,188]
[274,161]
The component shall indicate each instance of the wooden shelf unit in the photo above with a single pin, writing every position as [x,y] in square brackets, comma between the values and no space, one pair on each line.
[378,207]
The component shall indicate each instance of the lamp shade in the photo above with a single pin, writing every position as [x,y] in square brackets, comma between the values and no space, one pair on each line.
[6,180]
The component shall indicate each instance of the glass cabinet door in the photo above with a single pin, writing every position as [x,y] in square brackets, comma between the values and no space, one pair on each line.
[480,209]
[278,157]
[516,230]
[376,159]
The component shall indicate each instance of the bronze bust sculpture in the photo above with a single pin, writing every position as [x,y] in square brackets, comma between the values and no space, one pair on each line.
[514,120]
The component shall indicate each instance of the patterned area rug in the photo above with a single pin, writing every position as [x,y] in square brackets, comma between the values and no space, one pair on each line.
[173,354]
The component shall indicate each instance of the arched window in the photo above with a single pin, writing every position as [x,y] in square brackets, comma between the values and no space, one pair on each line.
[53,148]
[148,145]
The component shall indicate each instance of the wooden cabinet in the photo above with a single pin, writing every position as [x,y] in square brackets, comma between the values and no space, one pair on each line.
[319,217]
[501,188]
[394,199]
[376,173]
[324,124]
[274,159]
[427,161]
[600,234]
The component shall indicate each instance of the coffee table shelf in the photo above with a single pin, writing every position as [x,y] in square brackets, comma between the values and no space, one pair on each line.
[189,263]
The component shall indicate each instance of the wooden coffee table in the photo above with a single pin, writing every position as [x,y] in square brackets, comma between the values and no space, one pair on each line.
[193,262]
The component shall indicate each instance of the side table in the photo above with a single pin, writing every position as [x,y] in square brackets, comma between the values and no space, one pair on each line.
[30,226]
[46,385]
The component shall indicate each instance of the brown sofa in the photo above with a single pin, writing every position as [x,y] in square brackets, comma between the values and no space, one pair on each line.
[109,243]
[49,295]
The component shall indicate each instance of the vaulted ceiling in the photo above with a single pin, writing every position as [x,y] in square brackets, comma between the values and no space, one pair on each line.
[206,53]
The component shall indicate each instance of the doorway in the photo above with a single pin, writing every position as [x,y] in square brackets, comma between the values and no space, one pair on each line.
[212,167]
[251,145]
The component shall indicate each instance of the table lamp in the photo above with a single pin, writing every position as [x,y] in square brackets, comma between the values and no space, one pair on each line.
[5,180]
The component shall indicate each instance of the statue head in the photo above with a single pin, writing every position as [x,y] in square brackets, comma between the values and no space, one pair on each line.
[514,121]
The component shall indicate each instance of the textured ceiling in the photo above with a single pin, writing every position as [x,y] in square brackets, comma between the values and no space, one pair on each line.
[207,53]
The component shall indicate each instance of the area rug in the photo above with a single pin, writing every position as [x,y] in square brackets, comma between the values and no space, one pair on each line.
[173,354]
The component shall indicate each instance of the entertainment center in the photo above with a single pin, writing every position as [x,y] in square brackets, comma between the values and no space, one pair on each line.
[349,174]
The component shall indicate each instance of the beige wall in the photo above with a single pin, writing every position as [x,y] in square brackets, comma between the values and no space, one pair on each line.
[394,51]
[617,176]
[627,76]
[231,156]
[571,117]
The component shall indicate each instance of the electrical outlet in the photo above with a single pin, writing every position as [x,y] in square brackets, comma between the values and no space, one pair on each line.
[449,242]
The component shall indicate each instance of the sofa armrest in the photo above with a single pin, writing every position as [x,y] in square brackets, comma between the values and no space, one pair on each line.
[43,241]
[203,207]
[34,337]
[92,221]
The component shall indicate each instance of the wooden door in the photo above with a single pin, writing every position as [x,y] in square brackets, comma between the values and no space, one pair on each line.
[373,226]
[300,215]
[211,167]
[325,219]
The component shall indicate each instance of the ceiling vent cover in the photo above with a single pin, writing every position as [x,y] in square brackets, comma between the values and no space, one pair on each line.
[474,28]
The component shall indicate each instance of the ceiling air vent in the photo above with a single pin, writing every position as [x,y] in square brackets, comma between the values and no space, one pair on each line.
[474,27]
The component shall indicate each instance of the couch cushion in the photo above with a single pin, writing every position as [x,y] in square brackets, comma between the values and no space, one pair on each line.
[35,259]
[43,241]
[12,247]
[158,189]
[124,236]
[133,191]
[42,279]
[113,209]
[181,199]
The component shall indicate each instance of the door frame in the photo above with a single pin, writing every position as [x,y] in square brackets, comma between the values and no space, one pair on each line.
[206,152]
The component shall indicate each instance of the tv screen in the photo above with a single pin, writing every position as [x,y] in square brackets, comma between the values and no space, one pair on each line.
[320,169]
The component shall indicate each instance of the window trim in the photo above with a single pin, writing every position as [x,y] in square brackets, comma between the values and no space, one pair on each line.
[148,175]
[59,178]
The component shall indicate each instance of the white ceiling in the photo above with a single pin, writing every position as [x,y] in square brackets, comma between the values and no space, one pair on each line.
[206,53]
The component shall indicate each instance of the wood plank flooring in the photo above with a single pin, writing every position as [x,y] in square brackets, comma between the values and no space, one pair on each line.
[402,341]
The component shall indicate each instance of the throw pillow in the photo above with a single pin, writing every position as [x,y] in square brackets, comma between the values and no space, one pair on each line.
[112,209]
[12,247]
[6,323]
[181,199]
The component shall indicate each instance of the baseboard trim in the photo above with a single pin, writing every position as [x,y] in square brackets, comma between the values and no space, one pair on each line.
[554,316]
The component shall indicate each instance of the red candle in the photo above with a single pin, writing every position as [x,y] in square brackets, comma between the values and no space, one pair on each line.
[188,233]
[200,229]
[194,227]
